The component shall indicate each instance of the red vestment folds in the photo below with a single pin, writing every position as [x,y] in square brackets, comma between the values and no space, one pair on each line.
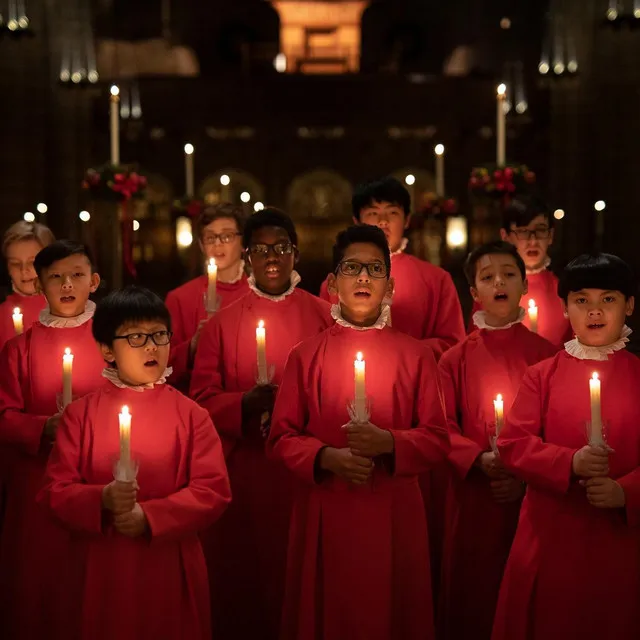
[186,306]
[552,324]
[154,586]
[30,307]
[425,303]
[478,530]
[246,550]
[573,572]
[34,550]
[358,563]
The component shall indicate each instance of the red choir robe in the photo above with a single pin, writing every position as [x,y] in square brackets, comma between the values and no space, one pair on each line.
[186,306]
[358,563]
[34,601]
[574,569]
[425,303]
[153,586]
[552,323]
[30,307]
[478,530]
[246,550]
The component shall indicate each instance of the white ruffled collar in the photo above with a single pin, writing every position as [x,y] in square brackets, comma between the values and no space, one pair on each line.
[403,246]
[544,267]
[238,275]
[295,281]
[581,351]
[47,319]
[111,374]
[380,323]
[480,320]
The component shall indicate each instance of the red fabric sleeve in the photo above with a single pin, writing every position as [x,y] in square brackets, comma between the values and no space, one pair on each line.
[287,441]
[207,383]
[631,485]
[17,428]
[471,327]
[204,499]
[464,451]
[521,445]
[76,504]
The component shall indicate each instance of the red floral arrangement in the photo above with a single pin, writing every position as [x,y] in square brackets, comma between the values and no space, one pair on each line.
[187,205]
[433,204]
[500,182]
[114,183]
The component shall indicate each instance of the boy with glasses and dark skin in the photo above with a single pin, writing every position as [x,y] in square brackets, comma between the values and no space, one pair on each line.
[246,550]
[219,232]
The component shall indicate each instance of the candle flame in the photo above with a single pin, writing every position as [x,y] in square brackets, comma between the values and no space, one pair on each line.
[261,324]
[125,410]
[67,352]
[115,90]
[499,397]
[594,376]
[17,311]
[212,262]
[502,89]
[532,303]
[359,356]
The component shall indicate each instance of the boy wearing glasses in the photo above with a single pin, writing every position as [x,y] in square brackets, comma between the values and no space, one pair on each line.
[219,232]
[246,551]
[34,551]
[358,564]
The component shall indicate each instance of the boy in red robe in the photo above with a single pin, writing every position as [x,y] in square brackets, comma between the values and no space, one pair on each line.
[425,303]
[34,599]
[219,232]
[573,572]
[528,225]
[145,576]
[358,564]
[246,551]
[484,500]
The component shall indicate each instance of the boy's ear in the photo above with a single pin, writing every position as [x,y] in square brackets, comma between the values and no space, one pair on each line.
[95,282]
[565,309]
[631,303]
[332,284]
[525,287]
[391,287]
[407,220]
[474,294]
[296,255]
[39,288]
[504,236]
[355,220]
[107,353]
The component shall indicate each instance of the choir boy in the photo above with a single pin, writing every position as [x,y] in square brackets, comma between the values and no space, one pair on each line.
[358,564]
[34,598]
[425,302]
[145,576]
[573,568]
[484,500]
[528,225]
[219,232]
[246,551]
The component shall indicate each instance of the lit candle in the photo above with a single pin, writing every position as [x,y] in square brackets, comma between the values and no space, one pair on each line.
[114,128]
[498,407]
[596,411]
[212,272]
[188,166]
[439,151]
[67,368]
[125,437]
[360,391]
[17,321]
[501,127]
[261,349]
[533,316]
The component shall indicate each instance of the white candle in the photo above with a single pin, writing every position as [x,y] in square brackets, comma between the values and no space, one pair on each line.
[125,437]
[67,369]
[533,316]
[596,411]
[261,351]
[212,273]
[501,127]
[498,407]
[360,389]
[17,321]
[188,168]
[114,128]
[439,151]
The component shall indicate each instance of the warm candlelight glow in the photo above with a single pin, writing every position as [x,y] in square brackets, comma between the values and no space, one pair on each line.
[501,127]
[498,406]
[188,149]
[124,419]
[360,390]
[115,90]
[596,438]
[439,149]
[212,294]
[533,316]
[67,376]
[261,351]
[502,90]
[17,321]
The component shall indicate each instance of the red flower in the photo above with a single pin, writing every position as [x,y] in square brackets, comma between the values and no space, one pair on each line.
[508,173]
[497,174]
[449,205]
[118,177]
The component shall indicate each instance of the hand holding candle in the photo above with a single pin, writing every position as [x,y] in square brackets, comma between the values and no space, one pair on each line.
[498,407]
[596,438]
[212,295]
[67,369]
[17,321]
[261,350]
[533,316]
[125,437]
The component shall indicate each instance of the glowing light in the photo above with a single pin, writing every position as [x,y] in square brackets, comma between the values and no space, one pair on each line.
[93,76]
[502,89]
[136,225]
[29,216]
[280,63]
[245,196]
[558,214]
[76,77]
[612,14]
[558,68]
[225,179]
[184,232]
[85,216]
[572,66]
[505,23]
[600,205]
[42,207]
[115,91]
[410,179]
[439,149]
[188,149]
[543,68]
[258,206]
[456,234]
[522,106]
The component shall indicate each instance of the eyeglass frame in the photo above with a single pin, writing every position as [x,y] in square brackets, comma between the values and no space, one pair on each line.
[272,248]
[532,233]
[210,238]
[147,336]
[363,265]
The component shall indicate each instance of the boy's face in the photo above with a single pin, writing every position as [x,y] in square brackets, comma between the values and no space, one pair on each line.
[386,216]
[226,254]
[499,286]
[139,365]
[532,241]
[272,256]
[597,316]
[67,284]
[361,294]
[20,258]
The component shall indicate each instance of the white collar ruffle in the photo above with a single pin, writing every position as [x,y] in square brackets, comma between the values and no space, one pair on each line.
[382,321]
[295,281]
[111,374]
[47,319]
[581,351]
[238,275]
[544,267]
[480,320]
[401,249]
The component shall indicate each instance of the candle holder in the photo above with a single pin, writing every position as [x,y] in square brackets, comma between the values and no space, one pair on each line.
[598,439]
[125,471]
[211,309]
[357,413]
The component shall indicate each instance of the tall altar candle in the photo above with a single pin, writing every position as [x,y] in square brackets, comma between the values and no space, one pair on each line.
[17,321]
[188,169]
[114,126]
[439,151]
[261,350]
[360,389]
[501,126]
[67,369]
[498,407]
[212,273]
[596,411]
[125,436]
[533,316]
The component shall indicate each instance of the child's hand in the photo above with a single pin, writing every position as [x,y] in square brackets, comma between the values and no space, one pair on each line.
[346,465]
[604,493]
[120,497]
[51,426]
[368,440]
[507,489]
[591,462]
[131,524]
[491,465]
[259,400]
